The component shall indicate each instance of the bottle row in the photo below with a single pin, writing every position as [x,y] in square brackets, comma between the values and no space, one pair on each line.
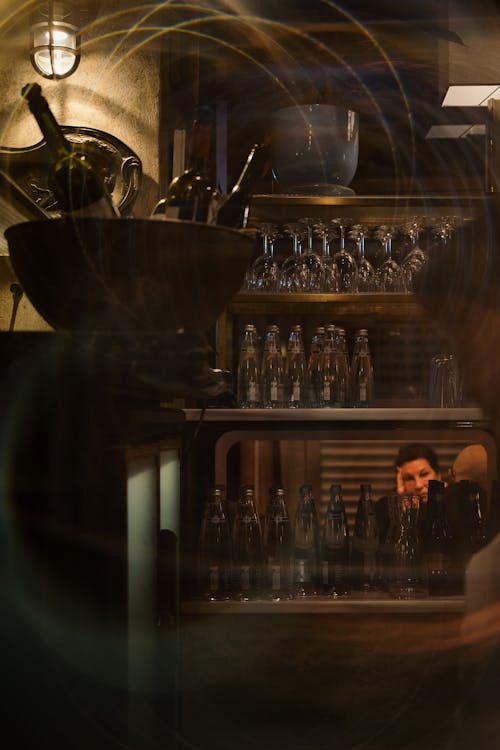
[422,550]
[325,377]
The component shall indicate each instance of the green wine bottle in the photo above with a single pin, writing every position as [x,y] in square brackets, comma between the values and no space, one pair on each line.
[77,186]
[190,196]
[234,210]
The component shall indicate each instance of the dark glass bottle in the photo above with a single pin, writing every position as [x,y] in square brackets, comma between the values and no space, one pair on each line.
[77,185]
[190,196]
[277,546]
[234,210]
[437,542]
[305,544]
[214,548]
[493,517]
[247,547]
[365,542]
[335,546]
[469,532]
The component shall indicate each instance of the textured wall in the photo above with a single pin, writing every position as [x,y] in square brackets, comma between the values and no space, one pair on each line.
[115,89]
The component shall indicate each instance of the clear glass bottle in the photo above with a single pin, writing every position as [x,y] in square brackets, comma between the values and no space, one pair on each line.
[214,563]
[247,547]
[305,544]
[362,378]
[437,542]
[335,546]
[296,370]
[272,370]
[248,389]
[365,542]
[314,368]
[277,546]
[234,210]
[191,196]
[334,371]
[76,183]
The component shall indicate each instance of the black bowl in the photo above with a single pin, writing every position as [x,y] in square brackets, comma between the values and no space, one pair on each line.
[128,274]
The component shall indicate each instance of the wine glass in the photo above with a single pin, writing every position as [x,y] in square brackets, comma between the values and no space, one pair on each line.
[415,258]
[290,271]
[262,276]
[366,272]
[389,275]
[311,267]
[329,270]
[346,264]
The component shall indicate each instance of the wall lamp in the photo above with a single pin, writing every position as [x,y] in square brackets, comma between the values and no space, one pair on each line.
[55,39]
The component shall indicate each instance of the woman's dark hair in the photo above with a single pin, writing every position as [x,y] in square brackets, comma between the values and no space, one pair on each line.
[417,450]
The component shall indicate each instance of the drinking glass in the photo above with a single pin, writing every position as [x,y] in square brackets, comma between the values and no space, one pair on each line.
[262,276]
[311,267]
[329,270]
[346,264]
[366,272]
[290,271]
[415,259]
[389,274]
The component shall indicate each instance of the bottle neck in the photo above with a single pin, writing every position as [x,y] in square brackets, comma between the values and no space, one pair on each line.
[56,142]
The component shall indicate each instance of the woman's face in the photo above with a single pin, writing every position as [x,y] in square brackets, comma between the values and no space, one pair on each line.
[414,476]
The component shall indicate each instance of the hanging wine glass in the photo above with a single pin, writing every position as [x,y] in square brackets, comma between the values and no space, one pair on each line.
[366,272]
[346,264]
[442,232]
[290,271]
[415,259]
[311,272]
[329,270]
[389,275]
[262,276]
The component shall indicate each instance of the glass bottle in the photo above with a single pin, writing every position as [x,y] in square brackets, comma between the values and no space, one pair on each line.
[335,546]
[296,370]
[277,546]
[77,186]
[190,196]
[469,532]
[365,542]
[234,210]
[305,544]
[248,389]
[214,548]
[314,367]
[407,550]
[272,373]
[362,382]
[247,547]
[437,541]
[334,371]
[493,516]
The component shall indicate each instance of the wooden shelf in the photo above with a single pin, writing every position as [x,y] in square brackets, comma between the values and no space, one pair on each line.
[360,306]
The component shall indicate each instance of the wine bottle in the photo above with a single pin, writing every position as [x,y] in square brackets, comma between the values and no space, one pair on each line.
[191,196]
[335,546]
[469,531]
[234,210]
[305,544]
[76,184]
[277,546]
[214,548]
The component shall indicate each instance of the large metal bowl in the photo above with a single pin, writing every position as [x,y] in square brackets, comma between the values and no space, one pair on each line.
[128,274]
